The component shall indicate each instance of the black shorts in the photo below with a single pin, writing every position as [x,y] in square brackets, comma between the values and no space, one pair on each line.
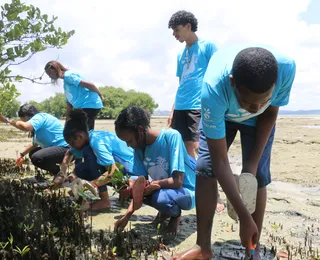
[186,122]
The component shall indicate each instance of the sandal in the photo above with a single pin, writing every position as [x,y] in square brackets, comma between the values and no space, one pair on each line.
[247,186]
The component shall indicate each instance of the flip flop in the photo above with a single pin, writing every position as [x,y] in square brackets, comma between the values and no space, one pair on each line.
[77,185]
[247,187]
[137,192]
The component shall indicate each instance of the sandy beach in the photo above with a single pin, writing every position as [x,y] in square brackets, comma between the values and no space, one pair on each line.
[292,219]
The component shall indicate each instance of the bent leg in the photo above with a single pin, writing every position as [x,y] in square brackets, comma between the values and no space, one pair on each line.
[48,158]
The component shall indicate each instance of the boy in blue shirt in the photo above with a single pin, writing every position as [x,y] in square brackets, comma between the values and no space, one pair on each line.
[192,63]
[161,157]
[242,91]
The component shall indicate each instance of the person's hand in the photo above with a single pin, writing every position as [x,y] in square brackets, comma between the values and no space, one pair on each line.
[3,119]
[150,188]
[248,233]
[121,223]
[58,180]
[71,177]
[170,120]
[19,160]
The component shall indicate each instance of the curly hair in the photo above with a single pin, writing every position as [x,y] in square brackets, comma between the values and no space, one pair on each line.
[256,69]
[77,123]
[183,18]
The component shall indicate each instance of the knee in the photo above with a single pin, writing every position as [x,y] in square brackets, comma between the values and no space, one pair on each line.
[36,160]
[203,167]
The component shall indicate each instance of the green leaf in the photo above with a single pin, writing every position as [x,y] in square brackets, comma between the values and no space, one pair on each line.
[10,239]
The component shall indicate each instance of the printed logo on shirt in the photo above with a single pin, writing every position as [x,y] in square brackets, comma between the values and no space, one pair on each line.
[189,66]
[209,125]
[245,115]
[206,113]
[157,170]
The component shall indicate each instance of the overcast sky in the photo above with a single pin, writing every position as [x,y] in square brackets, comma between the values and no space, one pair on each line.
[128,44]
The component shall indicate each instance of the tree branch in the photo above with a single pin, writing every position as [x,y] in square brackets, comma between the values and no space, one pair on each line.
[34,80]
[14,64]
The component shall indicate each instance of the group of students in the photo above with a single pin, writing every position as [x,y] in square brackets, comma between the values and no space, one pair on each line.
[221,92]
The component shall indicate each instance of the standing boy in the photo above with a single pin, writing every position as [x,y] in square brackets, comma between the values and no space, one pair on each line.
[242,91]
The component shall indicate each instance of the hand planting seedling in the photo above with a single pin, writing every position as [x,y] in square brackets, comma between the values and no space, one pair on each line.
[117,180]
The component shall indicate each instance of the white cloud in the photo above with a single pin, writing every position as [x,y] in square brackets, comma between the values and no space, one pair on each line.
[127,43]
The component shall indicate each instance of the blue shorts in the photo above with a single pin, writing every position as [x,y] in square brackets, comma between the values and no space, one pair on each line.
[170,202]
[248,137]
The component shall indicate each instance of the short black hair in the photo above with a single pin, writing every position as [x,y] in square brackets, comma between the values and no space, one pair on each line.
[130,118]
[183,18]
[256,69]
[27,110]
[78,122]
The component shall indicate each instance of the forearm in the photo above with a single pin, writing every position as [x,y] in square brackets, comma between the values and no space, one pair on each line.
[90,86]
[95,89]
[169,183]
[172,109]
[66,161]
[106,176]
[264,126]
[18,124]
[28,148]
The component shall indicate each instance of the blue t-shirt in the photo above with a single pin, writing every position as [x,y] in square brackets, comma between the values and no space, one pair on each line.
[79,97]
[108,149]
[166,155]
[192,65]
[219,102]
[48,131]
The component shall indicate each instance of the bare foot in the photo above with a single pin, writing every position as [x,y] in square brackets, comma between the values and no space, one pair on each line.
[100,204]
[173,225]
[160,218]
[172,229]
[220,206]
[194,253]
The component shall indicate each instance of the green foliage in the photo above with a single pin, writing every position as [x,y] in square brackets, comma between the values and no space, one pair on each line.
[24,31]
[118,179]
[10,109]
[115,99]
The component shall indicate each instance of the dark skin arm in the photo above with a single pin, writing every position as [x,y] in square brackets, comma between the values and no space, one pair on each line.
[222,170]
[105,177]
[90,86]
[265,123]
[24,126]
[174,182]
